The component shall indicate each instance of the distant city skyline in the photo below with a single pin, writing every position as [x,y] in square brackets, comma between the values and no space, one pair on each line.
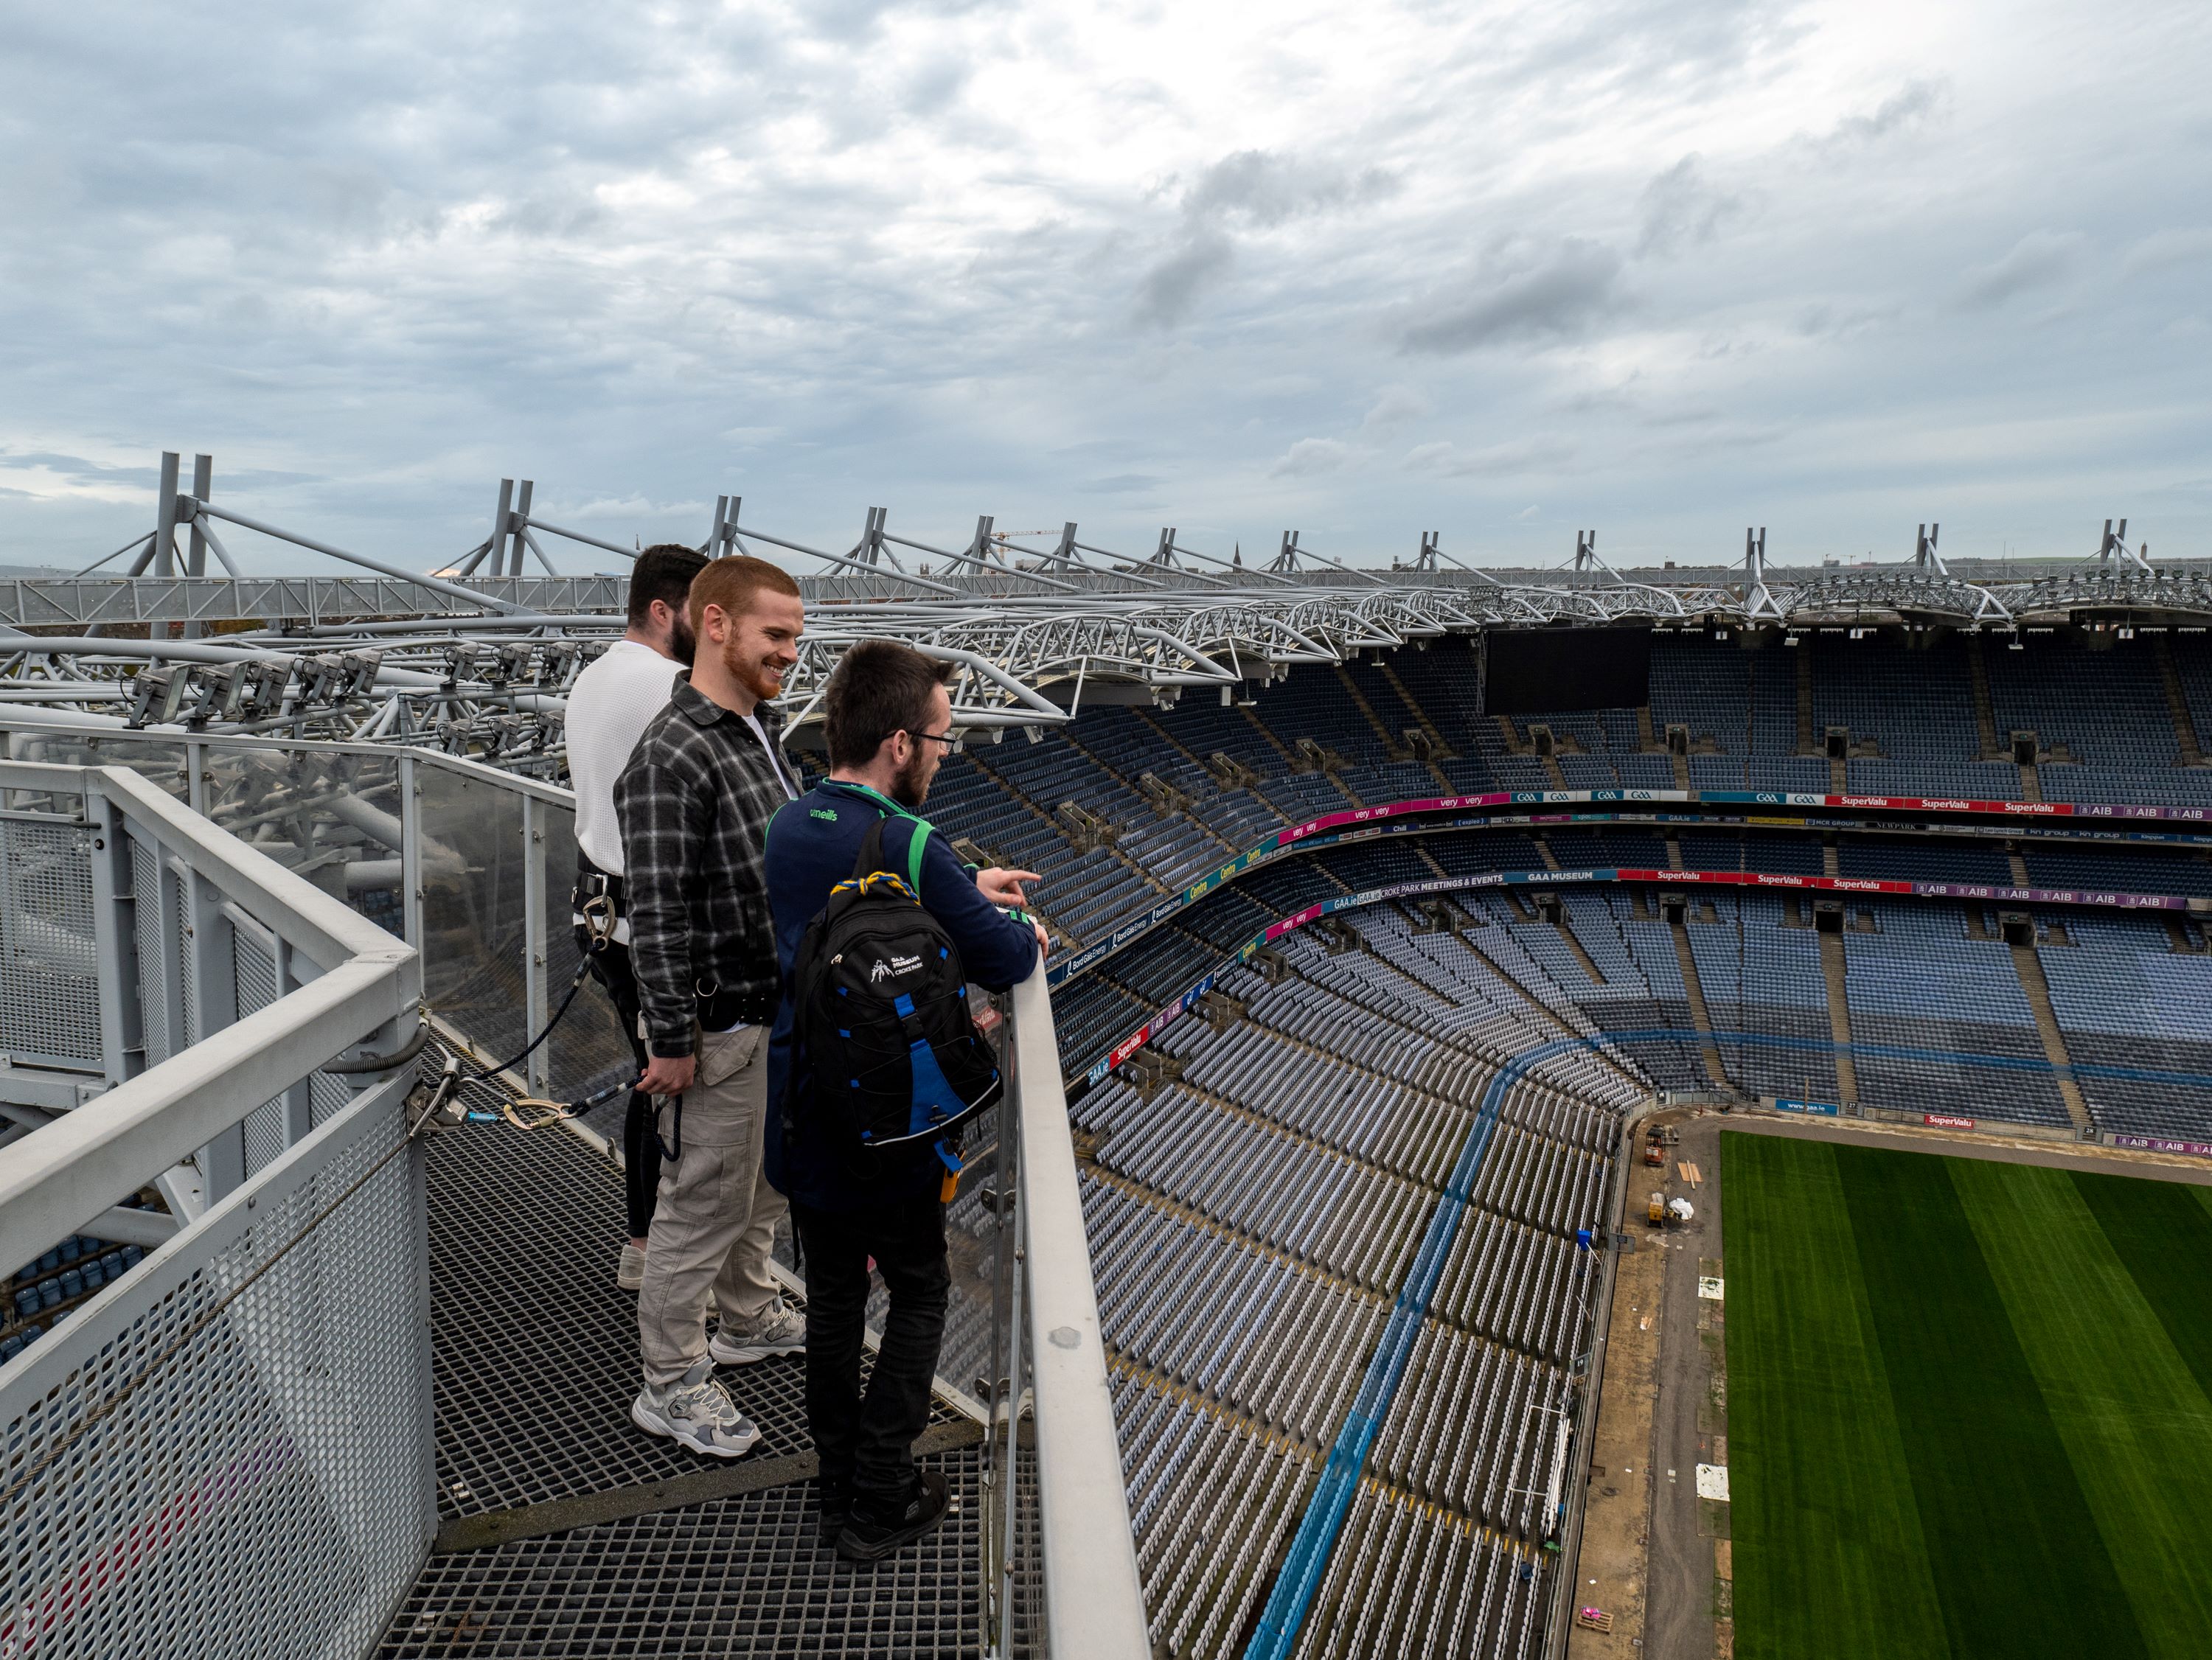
[1494,271]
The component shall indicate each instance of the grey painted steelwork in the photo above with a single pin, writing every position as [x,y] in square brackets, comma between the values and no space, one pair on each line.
[352,983]
[226,1449]
[473,657]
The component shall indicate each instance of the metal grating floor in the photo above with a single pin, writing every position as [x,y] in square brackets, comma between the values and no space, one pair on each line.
[536,1365]
[536,1349]
[739,1576]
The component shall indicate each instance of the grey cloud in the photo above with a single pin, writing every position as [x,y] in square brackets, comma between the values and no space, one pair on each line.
[1394,408]
[2164,249]
[1268,190]
[375,259]
[1253,189]
[1695,415]
[2037,260]
[934,86]
[1558,292]
[1682,208]
[1826,320]
[1309,456]
[1918,103]
[76,469]
[1172,288]
[1538,454]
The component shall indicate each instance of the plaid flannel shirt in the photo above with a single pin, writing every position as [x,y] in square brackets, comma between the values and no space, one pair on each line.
[694,804]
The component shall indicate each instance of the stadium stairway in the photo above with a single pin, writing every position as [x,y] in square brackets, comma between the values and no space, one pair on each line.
[1839,1015]
[1700,1018]
[1393,746]
[2033,984]
[1986,718]
[1151,724]
[1390,673]
[1132,785]
[1806,743]
[2177,702]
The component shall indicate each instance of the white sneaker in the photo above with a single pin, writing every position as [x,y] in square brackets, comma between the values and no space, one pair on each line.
[630,1271]
[780,1330]
[698,1412]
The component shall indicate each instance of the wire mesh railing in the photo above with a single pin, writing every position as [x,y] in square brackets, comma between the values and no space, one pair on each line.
[226,1449]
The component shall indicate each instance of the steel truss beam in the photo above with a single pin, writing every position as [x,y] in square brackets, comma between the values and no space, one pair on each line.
[472,657]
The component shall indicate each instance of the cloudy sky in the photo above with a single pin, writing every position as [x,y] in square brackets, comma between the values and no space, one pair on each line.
[1365,270]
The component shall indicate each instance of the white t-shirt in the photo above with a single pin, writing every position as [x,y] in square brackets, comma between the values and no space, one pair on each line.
[775,758]
[610,707]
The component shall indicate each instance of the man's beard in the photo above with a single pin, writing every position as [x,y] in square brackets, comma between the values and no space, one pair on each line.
[911,787]
[752,673]
[683,642]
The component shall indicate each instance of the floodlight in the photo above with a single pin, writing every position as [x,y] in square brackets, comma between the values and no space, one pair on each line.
[361,668]
[157,694]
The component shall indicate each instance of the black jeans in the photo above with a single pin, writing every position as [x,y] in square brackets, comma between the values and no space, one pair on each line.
[867,1446]
[640,1145]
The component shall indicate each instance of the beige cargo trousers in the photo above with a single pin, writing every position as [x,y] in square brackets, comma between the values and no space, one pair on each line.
[713,1222]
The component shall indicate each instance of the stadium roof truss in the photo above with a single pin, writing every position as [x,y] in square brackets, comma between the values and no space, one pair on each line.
[474,655]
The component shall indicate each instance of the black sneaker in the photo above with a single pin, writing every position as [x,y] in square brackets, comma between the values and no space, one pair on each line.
[836,1502]
[868,1540]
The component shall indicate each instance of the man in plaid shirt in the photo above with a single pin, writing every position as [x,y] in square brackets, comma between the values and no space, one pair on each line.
[694,804]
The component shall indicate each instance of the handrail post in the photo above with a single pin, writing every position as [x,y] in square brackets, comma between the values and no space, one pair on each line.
[115,937]
[411,854]
[536,948]
[1094,1598]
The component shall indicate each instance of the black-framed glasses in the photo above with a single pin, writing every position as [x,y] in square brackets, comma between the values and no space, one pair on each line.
[945,738]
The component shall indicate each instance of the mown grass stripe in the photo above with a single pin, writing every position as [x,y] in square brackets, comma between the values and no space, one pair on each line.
[1829,1559]
[2163,1232]
[2020,1565]
[2133,1419]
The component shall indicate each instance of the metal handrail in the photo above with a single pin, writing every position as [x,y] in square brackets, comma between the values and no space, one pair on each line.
[1095,1603]
[53,1181]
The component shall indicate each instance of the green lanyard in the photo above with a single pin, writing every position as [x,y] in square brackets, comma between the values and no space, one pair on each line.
[917,840]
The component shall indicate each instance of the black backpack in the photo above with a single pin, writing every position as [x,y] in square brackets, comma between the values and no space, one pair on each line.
[880,1011]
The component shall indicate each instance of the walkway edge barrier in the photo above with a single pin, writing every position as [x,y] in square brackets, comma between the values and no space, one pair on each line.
[57,1180]
[1094,1596]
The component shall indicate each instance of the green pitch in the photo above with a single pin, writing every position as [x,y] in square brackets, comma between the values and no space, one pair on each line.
[1970,1407]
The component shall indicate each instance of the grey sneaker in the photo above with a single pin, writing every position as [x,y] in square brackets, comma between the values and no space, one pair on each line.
[780,1330]
[629,1272]
[698,1412]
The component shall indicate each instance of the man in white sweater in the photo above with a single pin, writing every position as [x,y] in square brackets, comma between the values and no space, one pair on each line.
[610,707]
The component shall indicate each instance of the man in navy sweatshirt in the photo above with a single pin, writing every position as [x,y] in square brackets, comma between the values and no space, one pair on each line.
[889,723]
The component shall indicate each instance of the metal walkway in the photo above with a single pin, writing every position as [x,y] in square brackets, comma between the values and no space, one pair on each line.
[367,1389]
[564,1530]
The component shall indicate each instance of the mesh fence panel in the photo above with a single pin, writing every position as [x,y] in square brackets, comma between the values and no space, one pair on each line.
[146,911]
[49,987]
[254,971]
[161,762]
[224,1453]
[473,924]
[587,1049]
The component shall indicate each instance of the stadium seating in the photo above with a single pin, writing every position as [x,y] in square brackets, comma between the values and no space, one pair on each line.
[1251,1217]
[1164,795]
